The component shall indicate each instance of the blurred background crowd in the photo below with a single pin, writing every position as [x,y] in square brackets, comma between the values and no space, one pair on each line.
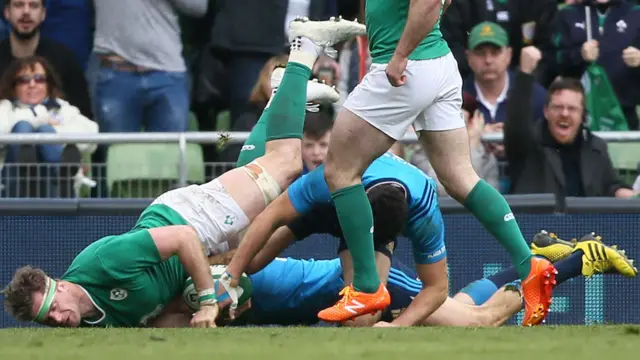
[543,73]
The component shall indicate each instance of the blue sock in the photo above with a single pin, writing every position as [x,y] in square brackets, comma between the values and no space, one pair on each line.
[569,267]
[481,290]
[504,277]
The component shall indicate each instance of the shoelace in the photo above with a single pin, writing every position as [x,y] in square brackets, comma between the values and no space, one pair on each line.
[347,295]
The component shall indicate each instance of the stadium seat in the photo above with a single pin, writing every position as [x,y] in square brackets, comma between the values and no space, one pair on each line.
[625,158]
[193,122]
[148,170]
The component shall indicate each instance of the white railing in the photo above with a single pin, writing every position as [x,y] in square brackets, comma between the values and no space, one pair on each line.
[214,137]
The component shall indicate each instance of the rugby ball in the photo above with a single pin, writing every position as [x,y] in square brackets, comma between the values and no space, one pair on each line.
[190,294]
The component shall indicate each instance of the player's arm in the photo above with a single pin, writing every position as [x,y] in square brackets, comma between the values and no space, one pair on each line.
[279,213]
[435,288]
[423,16]
[299,198]
[280,240]
[183,241]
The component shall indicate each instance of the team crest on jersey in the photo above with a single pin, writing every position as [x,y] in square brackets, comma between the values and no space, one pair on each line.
[118,294]
[229,219]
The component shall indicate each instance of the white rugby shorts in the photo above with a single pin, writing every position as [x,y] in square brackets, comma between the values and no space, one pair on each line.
[431,98]
[210,209]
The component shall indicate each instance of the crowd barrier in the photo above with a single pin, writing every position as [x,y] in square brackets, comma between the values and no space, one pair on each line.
[48,234]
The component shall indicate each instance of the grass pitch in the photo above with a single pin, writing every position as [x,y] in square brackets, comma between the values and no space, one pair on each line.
[508,343]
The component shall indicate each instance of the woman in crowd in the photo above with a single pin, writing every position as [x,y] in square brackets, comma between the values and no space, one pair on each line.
[32,102]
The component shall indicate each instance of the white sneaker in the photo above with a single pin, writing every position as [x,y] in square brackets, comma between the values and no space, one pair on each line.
[325,33]
[317,92]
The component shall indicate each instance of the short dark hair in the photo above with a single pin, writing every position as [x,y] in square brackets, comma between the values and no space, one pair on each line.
[564,83]
[7,3]
[18,295]
[390,211]
[9,78]
[316,125]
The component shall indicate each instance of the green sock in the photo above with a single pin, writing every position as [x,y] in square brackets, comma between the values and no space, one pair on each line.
[492,210]
[286,112]
[254,146]
[356,221]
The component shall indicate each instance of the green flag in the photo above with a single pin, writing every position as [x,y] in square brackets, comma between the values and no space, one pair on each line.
[603,109]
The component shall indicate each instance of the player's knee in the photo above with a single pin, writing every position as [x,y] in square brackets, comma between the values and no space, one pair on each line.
[339,172]
[390,211]
[459,182]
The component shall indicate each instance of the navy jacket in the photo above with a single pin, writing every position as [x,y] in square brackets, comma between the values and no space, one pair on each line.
[621,29]
[537,101]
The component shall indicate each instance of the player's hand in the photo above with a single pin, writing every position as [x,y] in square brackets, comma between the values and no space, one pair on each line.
[227,294]
[205,317]
[631,56]
[590,50]
[384,324]
[395,71]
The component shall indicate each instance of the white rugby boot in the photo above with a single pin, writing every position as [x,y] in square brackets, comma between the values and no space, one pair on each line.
[326,33]
[317,92]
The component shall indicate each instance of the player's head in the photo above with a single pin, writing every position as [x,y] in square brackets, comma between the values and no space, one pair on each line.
[25,17]
[33,296]
[315,139]
[390,211]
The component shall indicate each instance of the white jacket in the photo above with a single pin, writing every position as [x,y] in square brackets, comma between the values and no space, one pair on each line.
[68,119]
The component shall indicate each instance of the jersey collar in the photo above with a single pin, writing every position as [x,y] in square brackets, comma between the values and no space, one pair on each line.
[104,314]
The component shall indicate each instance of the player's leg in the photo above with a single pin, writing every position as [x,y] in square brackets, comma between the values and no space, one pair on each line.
[374,116]
[222,208]
[284,120]
[495,295]
[390,211]
[444,136]
[461,310]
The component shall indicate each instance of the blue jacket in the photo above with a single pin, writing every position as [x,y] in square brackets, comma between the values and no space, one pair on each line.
[621,29]
[537,101]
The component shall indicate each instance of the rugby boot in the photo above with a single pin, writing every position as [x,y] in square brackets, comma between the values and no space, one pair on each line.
[355,303]
[327,33]
[537,289]
[550,246]
[600,258]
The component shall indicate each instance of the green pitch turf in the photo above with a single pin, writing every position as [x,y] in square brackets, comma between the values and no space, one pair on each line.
[508,343]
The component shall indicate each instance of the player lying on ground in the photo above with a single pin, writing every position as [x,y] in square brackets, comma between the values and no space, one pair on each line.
[414,81]
[415,205]
[291,292]
[127,279]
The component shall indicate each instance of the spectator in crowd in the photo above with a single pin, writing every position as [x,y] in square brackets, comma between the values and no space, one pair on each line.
[527,22]
[615,44]
[238,53]
[71,22]
[315,139]
[557,154]
[483,160]
[142,80]
[32,103]
[26,18]
[489,55]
